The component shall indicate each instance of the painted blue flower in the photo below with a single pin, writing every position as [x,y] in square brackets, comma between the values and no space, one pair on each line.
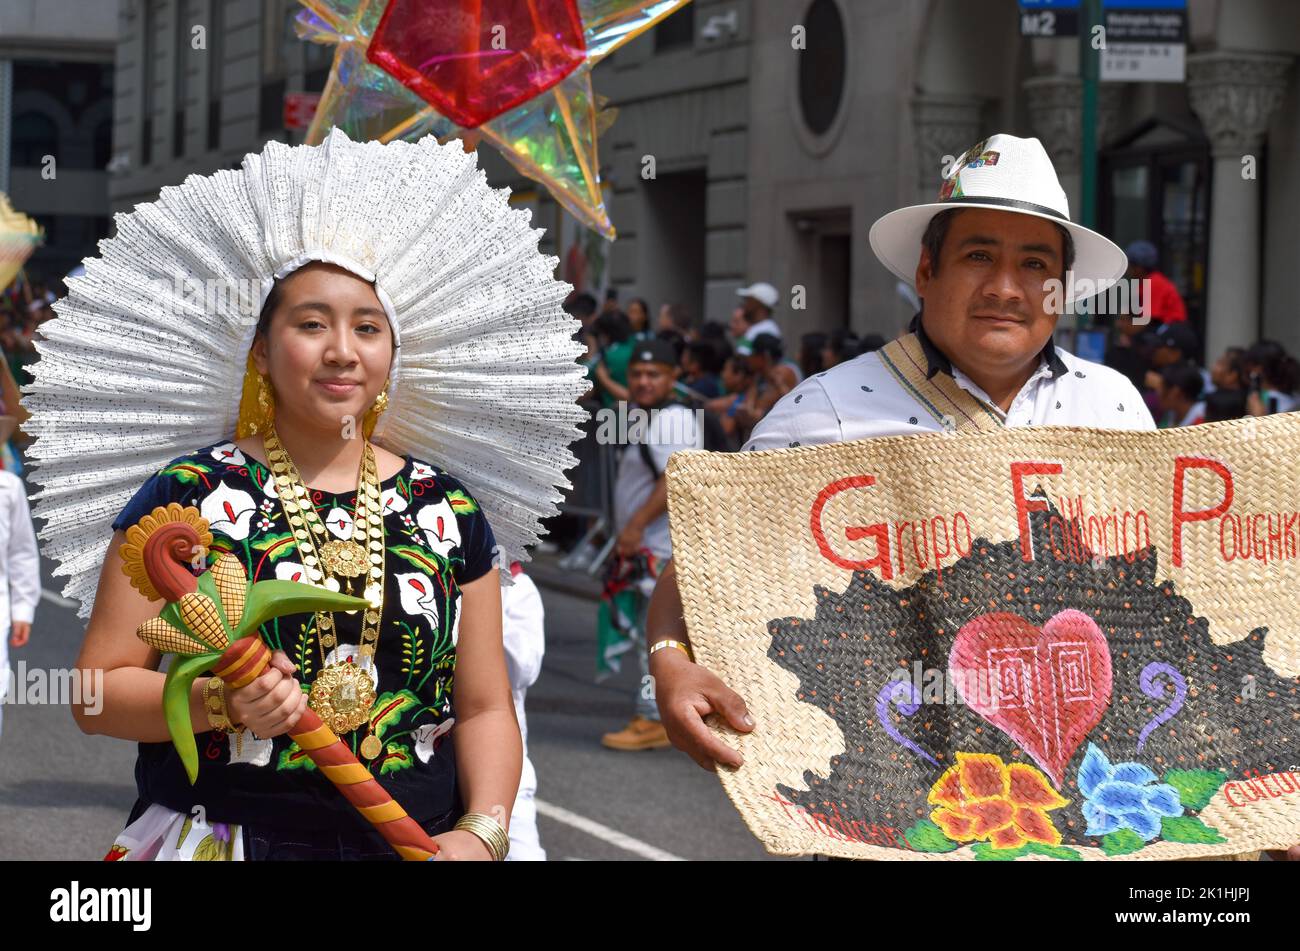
[1124,796]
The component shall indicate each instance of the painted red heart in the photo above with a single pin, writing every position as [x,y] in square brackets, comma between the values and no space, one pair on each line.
[474,61]
[1045,689]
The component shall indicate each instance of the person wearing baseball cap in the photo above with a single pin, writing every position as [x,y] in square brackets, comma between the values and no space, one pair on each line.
[641,526]
[754,315]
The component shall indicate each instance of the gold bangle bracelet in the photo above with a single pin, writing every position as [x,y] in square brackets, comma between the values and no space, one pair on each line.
[214,704]
[684,648]
[488,831]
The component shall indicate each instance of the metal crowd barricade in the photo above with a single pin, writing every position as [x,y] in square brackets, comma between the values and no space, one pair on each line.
[592,493]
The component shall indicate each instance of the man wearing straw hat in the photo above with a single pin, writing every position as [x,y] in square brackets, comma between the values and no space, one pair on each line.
[995,260]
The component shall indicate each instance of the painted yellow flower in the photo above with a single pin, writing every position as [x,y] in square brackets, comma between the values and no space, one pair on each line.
[982,799]
[132,550]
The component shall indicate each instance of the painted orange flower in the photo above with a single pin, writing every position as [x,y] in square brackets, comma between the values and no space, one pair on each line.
[132,550]
[982,799]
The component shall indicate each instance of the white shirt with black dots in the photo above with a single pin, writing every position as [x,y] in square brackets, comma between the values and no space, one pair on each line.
[861,399]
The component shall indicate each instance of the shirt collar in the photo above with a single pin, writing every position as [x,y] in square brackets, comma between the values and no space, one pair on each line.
[937,362]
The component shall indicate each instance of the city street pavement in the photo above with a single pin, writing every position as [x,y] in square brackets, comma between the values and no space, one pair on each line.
[64,795]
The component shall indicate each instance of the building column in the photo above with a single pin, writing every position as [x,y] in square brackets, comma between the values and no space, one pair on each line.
[942,125]
[6,119]
[1235,95]
[1056,114]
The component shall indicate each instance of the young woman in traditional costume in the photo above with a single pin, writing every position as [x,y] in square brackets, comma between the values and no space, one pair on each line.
[404,333]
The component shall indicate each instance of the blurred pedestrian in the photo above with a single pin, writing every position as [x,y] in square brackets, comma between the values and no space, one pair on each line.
[638,315]
[1124,352]
[641,523]
[739,384]
[1272,378]
[757,304]
[1163,304]
[1229,371]
[811,349]
[701,369]
[1180,396]
[614,341]
[841,345]
[676,317]
[20,569]
[1225,404]
[523,633]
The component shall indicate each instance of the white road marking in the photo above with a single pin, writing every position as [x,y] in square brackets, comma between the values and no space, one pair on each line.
[605,833]
[60,600]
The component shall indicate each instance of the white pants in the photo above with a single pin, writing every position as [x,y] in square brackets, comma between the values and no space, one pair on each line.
[524,843]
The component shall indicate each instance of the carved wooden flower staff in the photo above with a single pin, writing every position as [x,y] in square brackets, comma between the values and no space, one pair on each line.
[211,622]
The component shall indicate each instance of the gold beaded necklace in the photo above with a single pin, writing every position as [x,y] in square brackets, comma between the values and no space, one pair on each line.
[342,693]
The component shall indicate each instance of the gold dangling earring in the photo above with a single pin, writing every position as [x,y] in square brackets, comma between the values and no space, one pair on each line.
[381,401]
[265,404]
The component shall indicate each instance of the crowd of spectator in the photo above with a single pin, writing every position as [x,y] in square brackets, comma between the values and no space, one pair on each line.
[734,372]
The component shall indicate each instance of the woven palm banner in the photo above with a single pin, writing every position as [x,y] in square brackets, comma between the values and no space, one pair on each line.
[1040,643]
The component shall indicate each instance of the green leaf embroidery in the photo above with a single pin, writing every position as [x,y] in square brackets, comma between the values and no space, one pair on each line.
[303,650]
[295,758]
[925,836]
[1121,842]
[423,560]
[276,546]
[461,503]
[389,708]
[1196,787]
[187,472]
[1188,829]
[412,651]
[398,756]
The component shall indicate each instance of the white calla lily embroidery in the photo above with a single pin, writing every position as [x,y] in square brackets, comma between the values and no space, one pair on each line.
[391,501]
[228,453]
[418,595]
[441,531]
[291,571]
[228,511]
[426,737]
[339,522]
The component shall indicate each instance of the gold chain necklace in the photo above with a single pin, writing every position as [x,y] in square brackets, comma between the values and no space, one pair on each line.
[342,693]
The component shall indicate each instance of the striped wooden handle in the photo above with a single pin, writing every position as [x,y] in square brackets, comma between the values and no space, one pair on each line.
[240,665]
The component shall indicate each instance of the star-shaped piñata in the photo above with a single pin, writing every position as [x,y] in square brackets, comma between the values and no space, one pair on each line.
[515,73]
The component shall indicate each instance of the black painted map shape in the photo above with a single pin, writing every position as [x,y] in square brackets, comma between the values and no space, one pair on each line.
[1237,715]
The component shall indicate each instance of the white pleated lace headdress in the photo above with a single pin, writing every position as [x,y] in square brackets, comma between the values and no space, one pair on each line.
[145,363]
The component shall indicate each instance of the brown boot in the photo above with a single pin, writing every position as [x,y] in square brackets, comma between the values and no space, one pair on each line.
[640,734]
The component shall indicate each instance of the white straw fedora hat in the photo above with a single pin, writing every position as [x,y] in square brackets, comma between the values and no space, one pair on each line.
[1003,173]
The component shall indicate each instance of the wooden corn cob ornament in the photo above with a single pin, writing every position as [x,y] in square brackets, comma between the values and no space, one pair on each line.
[211,622]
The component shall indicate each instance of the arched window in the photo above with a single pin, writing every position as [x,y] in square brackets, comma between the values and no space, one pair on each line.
[34,136]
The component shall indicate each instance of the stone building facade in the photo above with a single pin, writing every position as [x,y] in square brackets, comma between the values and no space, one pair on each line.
[775,132]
